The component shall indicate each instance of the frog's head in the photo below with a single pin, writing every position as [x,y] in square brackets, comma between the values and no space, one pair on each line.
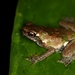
[30,31]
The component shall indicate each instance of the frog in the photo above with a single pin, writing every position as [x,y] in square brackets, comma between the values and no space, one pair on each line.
[61,40]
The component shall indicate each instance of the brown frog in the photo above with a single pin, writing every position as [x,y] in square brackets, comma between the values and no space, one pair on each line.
[53,39]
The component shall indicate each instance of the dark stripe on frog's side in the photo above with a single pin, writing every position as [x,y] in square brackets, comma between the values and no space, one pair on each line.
[63,47]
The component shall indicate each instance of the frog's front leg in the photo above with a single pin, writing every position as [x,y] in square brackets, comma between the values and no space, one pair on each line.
[68,53]
[68,24]
[35,59]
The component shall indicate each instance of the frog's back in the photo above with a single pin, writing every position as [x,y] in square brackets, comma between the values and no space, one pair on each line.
[60,32]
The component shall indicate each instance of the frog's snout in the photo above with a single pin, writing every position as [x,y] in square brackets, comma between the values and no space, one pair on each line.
[23,31]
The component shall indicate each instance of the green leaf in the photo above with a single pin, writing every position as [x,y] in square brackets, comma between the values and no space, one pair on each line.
[44,13]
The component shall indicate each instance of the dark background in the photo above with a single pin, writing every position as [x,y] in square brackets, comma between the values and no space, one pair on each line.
[8,10]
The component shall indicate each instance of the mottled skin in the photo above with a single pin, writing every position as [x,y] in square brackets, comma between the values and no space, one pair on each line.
[53,39]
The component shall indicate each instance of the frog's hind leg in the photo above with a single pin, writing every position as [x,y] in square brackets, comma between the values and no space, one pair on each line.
[68,23]
[68,54]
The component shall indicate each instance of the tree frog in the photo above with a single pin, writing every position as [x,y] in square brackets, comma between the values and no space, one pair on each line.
[60,39]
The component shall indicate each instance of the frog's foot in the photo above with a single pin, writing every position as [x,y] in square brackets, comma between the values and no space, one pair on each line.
[33,59]
[67,60]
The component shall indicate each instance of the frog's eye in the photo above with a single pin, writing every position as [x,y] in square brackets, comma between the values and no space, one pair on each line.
[32,34]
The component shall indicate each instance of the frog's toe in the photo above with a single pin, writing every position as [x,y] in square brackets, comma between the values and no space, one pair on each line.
[65,61]
[32,59]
